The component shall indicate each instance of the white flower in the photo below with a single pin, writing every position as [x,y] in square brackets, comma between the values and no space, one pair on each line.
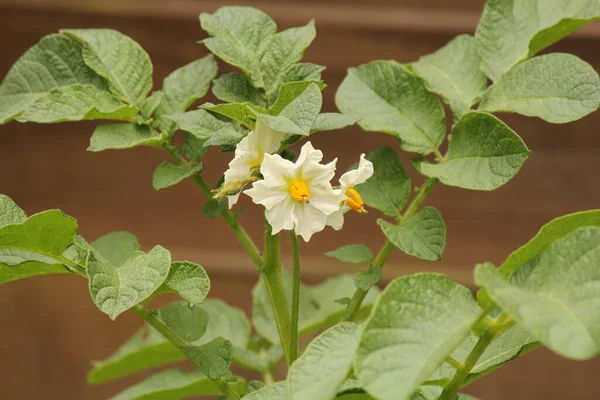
[249,155]
[297,195]
[352,199]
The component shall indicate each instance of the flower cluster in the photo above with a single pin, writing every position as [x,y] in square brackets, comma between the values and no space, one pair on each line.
[296,195]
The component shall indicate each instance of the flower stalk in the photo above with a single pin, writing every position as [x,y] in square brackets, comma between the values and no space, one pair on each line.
[295,297]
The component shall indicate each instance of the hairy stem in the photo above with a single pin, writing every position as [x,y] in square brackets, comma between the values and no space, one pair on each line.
[495,327]
[271,274]
[385,251]
[177,341]
[295,297]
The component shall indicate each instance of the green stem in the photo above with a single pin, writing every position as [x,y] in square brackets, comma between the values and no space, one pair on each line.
[415,205]
[495,327]
[295,297]
[177,341]
[238,230]
[271,274]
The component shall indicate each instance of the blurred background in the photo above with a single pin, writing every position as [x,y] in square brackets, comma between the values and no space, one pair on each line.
[49,328]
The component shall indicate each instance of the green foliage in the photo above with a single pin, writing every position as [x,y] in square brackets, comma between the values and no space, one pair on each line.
[352,253]
[513,30]
[212,358]
[173,384]
[167,174]
[484,154]
[244,113]
[417,322]
[236,88]
[386,97]
[189,83]
[557,87]
[388,189]
[332,122]
[324,365]
[423,235]
[554,295]
[189,323]
[188,280]
[10,212]
[454,73]
[276,391]
[204,126]
[118,59]
[124,136]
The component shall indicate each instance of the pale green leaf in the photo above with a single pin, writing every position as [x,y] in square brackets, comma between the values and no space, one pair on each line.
[555,296]
[288,92]
[235,88]
[56,61]
[201,123]
[238,35]
[150,104]
[324,365]
[332,122]
[212,358]
[225,137]
[385,97]
[174,384]
[283,50]
[10,212]
[557,88]
[298,115]
[512,30]
[118,59]
[189,323]
[388,189]
[124,136]
[454,73]
[423,235]
[167,174]
[244,113]
[352,253]
[77,103]
[484,154]
[189,83]
[276,391]
[416,323]
[213,208]
[193,149]
[365,280]
[36,245]
[188,280]
[302,72]
[117,247]
[116,289]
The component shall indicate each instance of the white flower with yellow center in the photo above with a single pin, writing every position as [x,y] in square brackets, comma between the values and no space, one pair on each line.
[352,200]
[249,155]
[297,195]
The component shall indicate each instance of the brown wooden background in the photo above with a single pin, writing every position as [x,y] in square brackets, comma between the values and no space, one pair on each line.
[49,328]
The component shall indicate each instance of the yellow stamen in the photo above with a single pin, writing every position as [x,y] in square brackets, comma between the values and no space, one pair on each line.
[354,201]
[299,191]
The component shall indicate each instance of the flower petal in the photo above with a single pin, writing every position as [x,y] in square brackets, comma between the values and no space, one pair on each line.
[308,154]
[267,140]
[325,199]
[268,197]
[359,175]
[280,216]
[308,220]
[336,220]
[276,170]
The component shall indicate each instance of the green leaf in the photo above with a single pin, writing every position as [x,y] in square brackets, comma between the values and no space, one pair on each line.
[298,115]
[117,288]
[289,92]
[201,123]
[332,122]
[484,154]
[188,280]
[189,83]
[550,233]
[235,88]
[212,358]
[324,365]
[276,391]
[56,61]
[283,50]
[386,97]
[365,280]
[511,30]
[239,36]
[117,247]
[213,208]
[244,113]
[416,323]
[423,235]
[193,149]
[10,212]
[557,88]
[225,137]
[302,72]
[174,384]
[167,174]
[124,136]
[118,59]
[147,348]
[352,253]
[555,296]
[150,104]
[36,245]
[388,189]
[454,73]
[189,323]
[77,103]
